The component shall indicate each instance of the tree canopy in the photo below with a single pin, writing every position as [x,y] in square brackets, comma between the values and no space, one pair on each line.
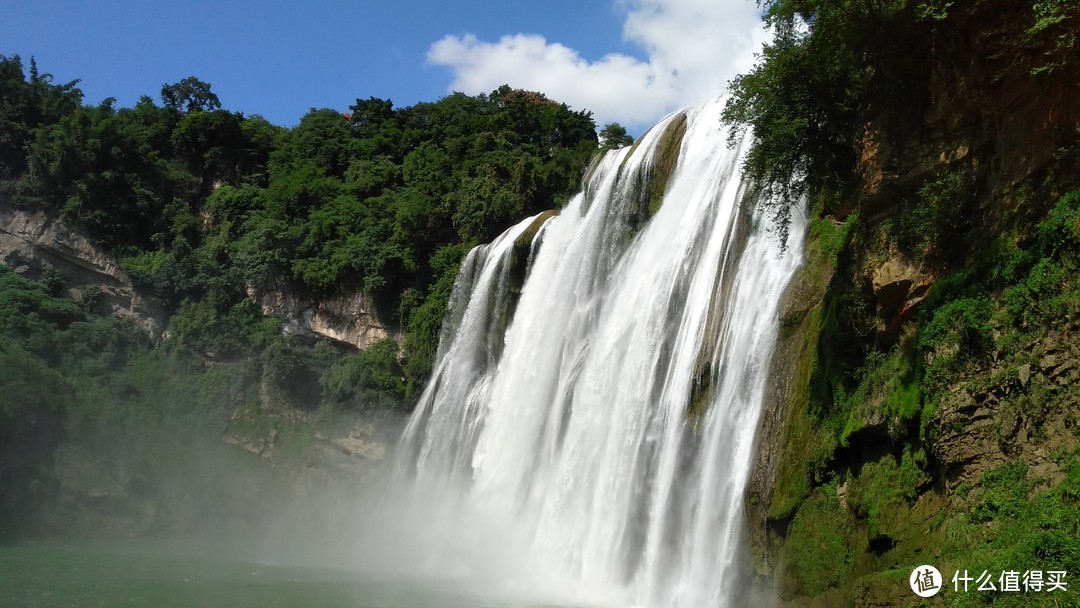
[203,204]
[190,95]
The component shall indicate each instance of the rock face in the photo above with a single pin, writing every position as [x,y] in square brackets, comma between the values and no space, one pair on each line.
[349,319]
[975,104]
[995,416]
[899,288]
[33,242]
[970,109]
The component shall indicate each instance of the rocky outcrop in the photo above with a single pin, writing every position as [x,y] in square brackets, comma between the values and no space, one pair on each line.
[899,287]
[348,319]
[965,157]
[34,242]
[995,415]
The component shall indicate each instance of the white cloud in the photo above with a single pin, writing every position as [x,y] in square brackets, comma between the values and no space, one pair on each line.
[693,47]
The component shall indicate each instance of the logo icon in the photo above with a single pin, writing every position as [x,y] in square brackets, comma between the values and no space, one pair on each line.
[925,581]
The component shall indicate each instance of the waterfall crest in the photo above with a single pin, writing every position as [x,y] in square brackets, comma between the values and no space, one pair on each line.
[610,415]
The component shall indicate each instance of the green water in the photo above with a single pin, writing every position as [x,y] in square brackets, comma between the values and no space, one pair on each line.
[78,575]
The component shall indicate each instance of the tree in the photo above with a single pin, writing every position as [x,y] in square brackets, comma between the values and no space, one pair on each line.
[190,95]
[613,136]
[25,106]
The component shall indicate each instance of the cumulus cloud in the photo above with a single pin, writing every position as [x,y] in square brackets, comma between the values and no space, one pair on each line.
[692,48]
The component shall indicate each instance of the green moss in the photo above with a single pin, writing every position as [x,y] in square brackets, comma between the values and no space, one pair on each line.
[888,391]
[524,241]
[884,491]
[806,446]
[817,554]
[832,236]
[650,185]
[937,222]
[1007,522]
[667,155]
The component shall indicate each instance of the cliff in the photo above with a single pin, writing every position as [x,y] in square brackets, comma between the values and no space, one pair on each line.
[347,319]
[926,407]
[77,464]
[34,243]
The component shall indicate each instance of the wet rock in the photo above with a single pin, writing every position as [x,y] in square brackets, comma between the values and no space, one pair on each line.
[360,447]
[1009,426]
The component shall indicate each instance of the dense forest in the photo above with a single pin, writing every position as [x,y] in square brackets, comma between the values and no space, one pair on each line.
[202,207]
[200,203]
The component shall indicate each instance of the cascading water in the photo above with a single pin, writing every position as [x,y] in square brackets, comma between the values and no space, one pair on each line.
[609,417]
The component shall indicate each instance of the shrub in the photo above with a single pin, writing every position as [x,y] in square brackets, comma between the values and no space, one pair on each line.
[372,378]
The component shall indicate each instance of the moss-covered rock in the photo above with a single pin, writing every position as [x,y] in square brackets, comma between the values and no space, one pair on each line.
[651,183]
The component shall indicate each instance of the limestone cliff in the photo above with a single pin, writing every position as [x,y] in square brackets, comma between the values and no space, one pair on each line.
[348,319]
[34,242]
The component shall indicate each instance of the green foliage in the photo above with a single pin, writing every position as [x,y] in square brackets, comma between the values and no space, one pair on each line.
[189,95]
[868,396]
[100,168]
[33,399]
[52,281]
[614,136]
[970,315]
[1055,23]
[27,311]
[817,552]
[839,77]
[202,204]
[883,490]
[1007,522]
[370,379]
[425,320]
[204,207]
[936,10]
[26,105]
[958,330]
[216,335]
[833,237]
[802,98]
[1059,233]
[888,388]
[323,139]
[835,67]
[1004,494]
[937,222]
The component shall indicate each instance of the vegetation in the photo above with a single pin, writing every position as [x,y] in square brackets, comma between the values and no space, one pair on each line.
[834,66]
[202,207]
[820,529]
[867,419]
[614,135]
[202,204]
[852,106]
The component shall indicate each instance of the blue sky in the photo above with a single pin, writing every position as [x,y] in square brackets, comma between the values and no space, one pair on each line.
[625,60]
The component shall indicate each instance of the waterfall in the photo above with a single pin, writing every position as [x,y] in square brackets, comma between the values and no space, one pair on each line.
[609,416]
